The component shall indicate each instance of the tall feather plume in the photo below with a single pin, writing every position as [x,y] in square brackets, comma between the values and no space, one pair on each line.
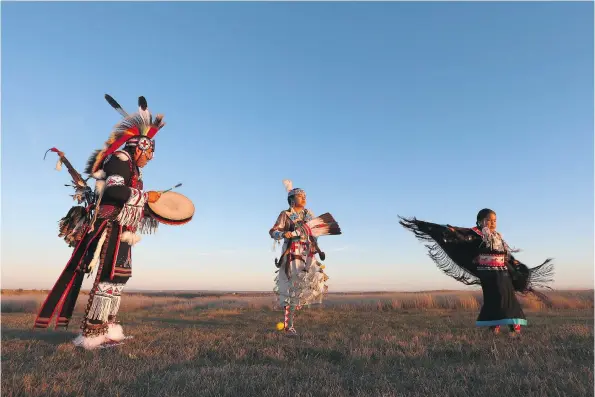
[143,111]
[115,105]
[288,184]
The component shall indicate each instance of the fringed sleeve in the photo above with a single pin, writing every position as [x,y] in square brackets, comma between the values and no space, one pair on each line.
[453,249]
[280,227]
[525,280]
[133,210]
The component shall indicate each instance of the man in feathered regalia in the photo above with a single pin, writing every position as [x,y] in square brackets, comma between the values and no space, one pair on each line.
[103,230]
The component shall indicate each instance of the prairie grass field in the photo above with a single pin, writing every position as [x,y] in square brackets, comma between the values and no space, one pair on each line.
[355,344]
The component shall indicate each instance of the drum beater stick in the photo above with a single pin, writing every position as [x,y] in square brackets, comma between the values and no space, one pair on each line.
[171,188]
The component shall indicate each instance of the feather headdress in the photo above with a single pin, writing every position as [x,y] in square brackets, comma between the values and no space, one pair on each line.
[136,125]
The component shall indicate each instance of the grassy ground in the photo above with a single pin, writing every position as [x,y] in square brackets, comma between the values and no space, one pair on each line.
[393,344]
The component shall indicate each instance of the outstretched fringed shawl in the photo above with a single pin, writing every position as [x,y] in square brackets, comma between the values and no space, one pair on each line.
[454,250]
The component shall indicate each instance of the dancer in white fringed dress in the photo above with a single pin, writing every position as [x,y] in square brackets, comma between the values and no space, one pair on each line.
[300,277]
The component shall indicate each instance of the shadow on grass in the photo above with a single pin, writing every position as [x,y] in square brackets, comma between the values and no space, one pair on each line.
[241,319]
[191,323]
[331,356]
[47,335]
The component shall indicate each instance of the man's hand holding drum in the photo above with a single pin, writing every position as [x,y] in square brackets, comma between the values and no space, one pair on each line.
[153,196]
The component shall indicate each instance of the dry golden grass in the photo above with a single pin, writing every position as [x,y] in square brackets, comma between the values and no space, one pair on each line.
[372,344]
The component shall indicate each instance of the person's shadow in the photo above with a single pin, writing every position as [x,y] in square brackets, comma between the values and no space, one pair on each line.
[54,337]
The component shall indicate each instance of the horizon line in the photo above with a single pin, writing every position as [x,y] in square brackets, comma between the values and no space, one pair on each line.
[272,292]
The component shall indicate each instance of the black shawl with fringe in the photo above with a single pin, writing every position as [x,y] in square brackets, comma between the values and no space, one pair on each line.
[454,250]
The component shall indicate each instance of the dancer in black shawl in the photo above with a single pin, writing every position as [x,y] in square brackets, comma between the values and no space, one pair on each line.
[479,255]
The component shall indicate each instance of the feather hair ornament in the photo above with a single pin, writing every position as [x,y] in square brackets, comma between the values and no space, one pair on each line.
[288,185]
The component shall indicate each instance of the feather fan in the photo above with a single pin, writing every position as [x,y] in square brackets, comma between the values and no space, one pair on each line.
[324,225]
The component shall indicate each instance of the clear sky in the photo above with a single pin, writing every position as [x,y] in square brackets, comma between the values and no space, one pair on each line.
[433,110]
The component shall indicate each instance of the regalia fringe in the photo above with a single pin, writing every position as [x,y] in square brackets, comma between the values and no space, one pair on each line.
[449,267]
[413,225]
[130,215]
[541,275]
[115,305]
[438,255]
[537,277]
[148,225]
[100,308]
